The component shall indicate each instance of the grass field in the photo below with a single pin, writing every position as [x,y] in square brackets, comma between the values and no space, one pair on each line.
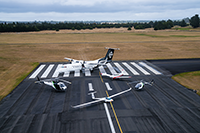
[21,52]
[189,80]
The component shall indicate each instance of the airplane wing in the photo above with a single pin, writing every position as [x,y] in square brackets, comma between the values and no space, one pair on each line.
[89,103]
[69,59]
[121,77]
[120,93]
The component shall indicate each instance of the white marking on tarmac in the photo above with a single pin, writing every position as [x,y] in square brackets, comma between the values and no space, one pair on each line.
[108,86]
[66,74]
[77,73]
[45,74]
[120,68]
[112,70]
[130,68]
[90,87]
[109,119]
[140,68]
[56,73]
[150,68]
[101,69]
[87,72]
[37,71]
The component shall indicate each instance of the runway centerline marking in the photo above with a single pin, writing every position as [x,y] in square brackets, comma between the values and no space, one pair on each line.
[115,114]
[101,77]
[90,87]
[109,118]
[108,86]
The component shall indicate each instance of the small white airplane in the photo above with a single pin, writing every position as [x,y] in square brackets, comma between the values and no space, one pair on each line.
[55,83]
[140,84]
[104,99]
[119,75]
[90,65]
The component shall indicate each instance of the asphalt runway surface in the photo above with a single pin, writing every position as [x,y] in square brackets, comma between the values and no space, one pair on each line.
[164,107]
[175,66]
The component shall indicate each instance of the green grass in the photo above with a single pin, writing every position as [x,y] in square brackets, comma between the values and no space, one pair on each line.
[21,78]
[183,29]
[149,35]
[182,36]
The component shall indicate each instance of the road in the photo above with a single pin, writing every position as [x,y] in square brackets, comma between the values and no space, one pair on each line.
[164,107]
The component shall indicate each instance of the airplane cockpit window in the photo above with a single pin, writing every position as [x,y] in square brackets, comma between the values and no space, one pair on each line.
[61,85]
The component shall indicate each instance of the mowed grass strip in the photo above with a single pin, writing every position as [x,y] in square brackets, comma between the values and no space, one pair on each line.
[190,80]
[18,52]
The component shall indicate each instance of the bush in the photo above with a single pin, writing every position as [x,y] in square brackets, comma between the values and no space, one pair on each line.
[129,28]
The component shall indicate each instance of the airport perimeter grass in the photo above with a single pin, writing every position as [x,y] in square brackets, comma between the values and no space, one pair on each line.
[20,52]
[190,80]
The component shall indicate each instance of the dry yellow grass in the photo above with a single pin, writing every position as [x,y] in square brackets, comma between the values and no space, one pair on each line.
[18,52]
[189,80]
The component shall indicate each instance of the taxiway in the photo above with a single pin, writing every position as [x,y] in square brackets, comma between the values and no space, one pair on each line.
[164,107]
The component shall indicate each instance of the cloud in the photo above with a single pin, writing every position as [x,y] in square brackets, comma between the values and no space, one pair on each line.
[56,16]
[138,9]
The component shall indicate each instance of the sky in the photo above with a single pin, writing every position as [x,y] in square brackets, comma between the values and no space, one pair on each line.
[97,10]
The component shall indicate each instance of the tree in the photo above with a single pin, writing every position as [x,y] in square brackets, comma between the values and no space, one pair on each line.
[129,28]
[183,23]
[194,21]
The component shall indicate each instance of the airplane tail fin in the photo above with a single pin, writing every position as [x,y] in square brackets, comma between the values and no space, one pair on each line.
[109,56]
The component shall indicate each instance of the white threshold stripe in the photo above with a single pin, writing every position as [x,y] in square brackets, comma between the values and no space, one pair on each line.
[77,73]
[150,68]
[56,73]
[37,71]
[45,74]
[66,74]
[140,68]
[87,72]
[109,118]
[90,87]
[108,86]
[130,68]
[120,68]
[112,70]
[101,69]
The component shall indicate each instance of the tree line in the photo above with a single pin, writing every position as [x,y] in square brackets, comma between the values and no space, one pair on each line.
[39,26]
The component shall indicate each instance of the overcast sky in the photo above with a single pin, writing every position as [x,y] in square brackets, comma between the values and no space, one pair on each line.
[97,10]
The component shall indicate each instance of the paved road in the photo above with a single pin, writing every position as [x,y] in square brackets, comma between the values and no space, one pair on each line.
[164,107]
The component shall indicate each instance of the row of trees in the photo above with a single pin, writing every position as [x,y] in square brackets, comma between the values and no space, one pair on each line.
[38,26]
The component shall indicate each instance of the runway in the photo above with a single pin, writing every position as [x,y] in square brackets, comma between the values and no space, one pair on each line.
[164,107]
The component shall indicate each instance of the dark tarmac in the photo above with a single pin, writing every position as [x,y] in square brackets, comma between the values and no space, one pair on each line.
[162,108]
